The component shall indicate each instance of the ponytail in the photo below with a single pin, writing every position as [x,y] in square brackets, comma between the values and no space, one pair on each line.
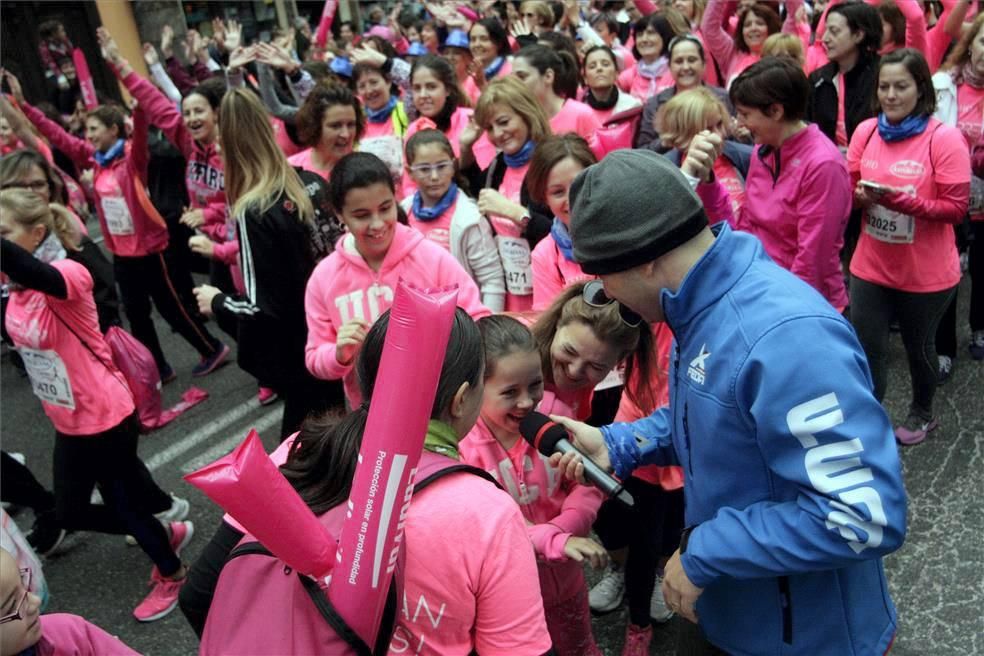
[28,211]
[561,62]
[66,226]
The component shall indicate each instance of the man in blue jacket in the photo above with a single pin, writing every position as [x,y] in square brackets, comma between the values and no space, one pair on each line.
[792,480]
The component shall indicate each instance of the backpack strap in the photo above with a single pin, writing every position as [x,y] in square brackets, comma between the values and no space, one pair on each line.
[335,620]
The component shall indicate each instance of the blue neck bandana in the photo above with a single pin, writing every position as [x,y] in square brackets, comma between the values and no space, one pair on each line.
[430,213]
[521,157]
[910,126]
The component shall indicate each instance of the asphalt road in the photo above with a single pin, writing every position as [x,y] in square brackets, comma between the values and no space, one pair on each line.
[936,578]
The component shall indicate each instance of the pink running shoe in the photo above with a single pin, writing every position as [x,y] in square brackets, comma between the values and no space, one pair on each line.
[915,429]
[181,534]
[637,640]
[266,396]
[163,598]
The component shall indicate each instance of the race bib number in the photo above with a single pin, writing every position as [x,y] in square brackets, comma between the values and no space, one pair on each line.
[888,226]
[516,262]
[389,149]
[117,215]
[49,377]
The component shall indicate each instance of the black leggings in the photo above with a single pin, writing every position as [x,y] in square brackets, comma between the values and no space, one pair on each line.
[148,277]
[976,270]
[109,460]
[19,486]
[873,308]
[650,529]
[196,594]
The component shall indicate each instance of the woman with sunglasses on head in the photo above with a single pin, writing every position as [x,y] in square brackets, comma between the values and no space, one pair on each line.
[443,212]
[514,122]
[797,192]
[912,178]
[582,336]
[688,67]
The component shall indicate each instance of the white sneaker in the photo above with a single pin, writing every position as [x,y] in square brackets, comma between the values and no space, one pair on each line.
[658,612]
[176,513]
[607,593]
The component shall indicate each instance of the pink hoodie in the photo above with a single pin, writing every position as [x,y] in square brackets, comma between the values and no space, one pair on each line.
[343,287]
[554,509]
[799,214]
[205,172]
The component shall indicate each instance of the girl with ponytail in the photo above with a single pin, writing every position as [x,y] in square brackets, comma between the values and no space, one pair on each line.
[551,75]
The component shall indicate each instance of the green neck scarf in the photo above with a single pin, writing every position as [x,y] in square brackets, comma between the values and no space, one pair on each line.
[441,439]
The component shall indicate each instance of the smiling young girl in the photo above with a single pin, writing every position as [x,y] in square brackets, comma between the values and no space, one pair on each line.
[558,515]
[354,285]
[446,215]
[556,162]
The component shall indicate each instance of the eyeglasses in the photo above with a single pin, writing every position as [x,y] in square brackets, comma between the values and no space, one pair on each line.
[594,295]
[427,170]
[18,614]
[37,185]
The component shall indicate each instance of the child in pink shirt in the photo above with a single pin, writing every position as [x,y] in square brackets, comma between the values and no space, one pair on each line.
[558,515]
[350,288]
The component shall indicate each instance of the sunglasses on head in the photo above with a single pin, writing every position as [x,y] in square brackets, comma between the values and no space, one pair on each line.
[594,295]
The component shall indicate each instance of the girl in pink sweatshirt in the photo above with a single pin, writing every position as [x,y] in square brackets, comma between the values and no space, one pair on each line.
[558,515]
[350,288]
[556,162]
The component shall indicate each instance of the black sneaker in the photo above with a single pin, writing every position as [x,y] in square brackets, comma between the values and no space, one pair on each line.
[46,535]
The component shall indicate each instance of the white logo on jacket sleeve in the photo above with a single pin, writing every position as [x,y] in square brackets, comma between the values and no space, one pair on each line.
[696,370]
[836,471]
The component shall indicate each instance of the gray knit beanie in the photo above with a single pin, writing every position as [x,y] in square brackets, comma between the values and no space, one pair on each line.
[629,209]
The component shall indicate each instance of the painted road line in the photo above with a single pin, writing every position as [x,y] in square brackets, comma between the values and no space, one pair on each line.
[265,422]
[201,434]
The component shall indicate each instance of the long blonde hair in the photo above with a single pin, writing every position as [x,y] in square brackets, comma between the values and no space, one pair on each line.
[28,211]
[256,170]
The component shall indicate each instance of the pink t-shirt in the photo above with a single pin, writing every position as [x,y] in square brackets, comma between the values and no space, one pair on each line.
[304,161]
[474,588]
[731,180]
[895,250]
[577,117]
[436,230]
[81,395]
[514,250]
[283,139]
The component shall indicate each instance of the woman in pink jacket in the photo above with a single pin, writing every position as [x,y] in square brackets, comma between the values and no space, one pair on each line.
[132,229]
[798,192]
[558,515]
[350,288]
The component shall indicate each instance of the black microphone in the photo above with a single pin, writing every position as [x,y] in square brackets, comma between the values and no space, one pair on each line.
[549,437]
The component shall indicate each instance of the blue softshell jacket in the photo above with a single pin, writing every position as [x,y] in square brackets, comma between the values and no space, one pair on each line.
[792,479]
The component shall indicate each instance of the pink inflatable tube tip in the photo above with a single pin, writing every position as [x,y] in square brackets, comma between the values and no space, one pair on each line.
[248,486]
